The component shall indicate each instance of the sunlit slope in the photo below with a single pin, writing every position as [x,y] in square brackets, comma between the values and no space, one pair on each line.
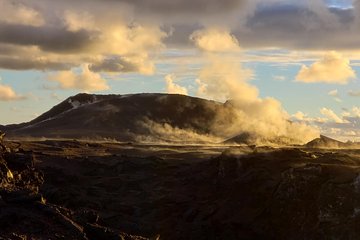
[121,116]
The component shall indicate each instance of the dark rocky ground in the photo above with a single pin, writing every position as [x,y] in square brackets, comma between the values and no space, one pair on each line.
[26,214]
[120,191]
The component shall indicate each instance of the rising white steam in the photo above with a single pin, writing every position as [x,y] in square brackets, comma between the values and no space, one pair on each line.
[223,79]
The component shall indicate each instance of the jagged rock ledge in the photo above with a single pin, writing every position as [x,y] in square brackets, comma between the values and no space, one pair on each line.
[24,213]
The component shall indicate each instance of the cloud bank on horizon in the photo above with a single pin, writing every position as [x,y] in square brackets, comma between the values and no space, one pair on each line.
[125,36]
[82,45]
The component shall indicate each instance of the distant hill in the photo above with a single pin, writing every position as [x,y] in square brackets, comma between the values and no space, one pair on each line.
[243,138]
[326,142]
[121,117]
[146,117]
[248,138]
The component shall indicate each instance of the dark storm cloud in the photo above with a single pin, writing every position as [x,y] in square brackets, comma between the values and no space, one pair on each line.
[28,64]
[47,38]
[180,34]
[114,64]
[300,27]
[186,6]
[168,7]
[289,25]
[161,12]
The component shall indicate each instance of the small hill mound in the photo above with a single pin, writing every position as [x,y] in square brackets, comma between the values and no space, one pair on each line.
[325,142]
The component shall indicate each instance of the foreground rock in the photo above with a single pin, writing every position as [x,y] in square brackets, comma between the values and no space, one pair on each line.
[24,213]
[245,193]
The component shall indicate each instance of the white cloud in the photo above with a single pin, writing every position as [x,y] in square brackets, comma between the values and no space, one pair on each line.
[56,97]
[69,38]
[18,13]
[333,68]
[335,94]
[172,87]
[86,80]
[215,40]
[303,117]
[331,115]
[299,116]
[355,111]
[354,93]
[76,21]
[279,78]
[8,94]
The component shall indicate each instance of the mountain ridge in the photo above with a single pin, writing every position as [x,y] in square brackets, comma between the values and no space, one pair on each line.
[139,117]
[119,116]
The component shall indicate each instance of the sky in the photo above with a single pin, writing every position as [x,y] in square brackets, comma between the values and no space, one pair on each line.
[305,55]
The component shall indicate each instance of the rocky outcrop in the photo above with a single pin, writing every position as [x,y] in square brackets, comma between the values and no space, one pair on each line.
[245,193]
[120,191]
[25,214]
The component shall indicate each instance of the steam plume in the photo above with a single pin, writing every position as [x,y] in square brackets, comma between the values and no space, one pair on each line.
[224,79]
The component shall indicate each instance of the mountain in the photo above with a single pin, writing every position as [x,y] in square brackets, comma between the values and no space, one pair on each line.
[326,142]
[243,138]
[146,117]
[121,117]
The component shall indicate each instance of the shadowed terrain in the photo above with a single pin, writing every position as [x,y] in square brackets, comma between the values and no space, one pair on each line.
[25,213]
[198,192]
